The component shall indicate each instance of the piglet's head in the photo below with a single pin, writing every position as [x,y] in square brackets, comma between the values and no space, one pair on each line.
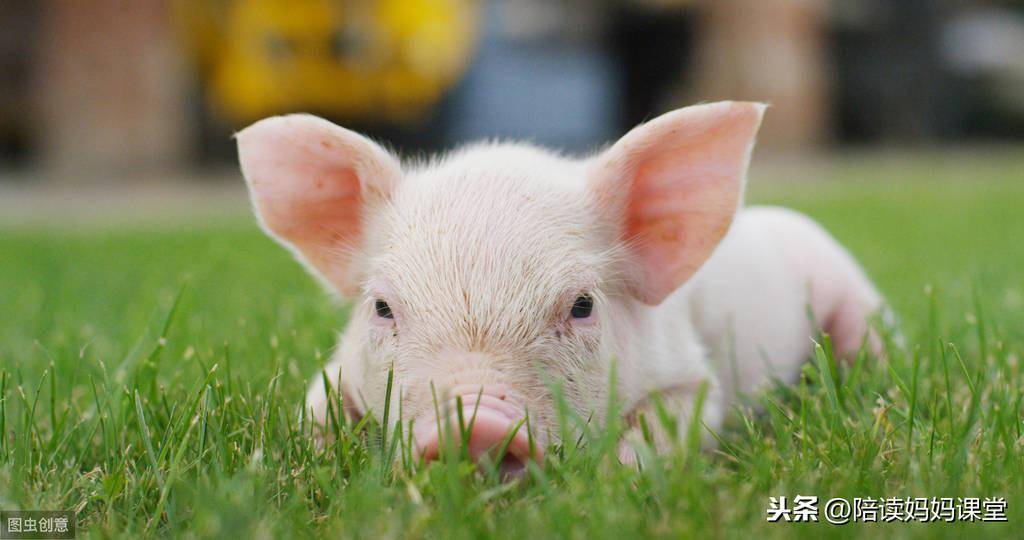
[487,277]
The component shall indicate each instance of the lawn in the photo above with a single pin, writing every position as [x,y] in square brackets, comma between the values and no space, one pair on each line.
[152,377]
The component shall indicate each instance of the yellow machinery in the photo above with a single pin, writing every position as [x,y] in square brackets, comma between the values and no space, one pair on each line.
[368,60]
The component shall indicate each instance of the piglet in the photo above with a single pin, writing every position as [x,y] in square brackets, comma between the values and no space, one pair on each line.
[484,277]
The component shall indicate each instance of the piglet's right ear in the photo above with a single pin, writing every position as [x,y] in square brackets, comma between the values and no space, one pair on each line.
[311,183]
[674,185]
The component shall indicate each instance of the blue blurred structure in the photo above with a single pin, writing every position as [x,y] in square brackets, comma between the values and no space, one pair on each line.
[551,91]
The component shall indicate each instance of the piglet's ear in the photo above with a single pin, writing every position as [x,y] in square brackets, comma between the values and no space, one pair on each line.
[312,183]
[674,185]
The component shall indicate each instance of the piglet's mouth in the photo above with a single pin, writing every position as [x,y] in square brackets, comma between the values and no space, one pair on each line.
[496,429]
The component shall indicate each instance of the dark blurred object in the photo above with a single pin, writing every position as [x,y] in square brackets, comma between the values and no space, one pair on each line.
[18,18]
[919,70]
[982,49]
[654,50]
[889,82]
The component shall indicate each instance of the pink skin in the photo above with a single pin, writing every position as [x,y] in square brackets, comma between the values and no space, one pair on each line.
[490,420]
[480,254]
[488,413]
[660,198]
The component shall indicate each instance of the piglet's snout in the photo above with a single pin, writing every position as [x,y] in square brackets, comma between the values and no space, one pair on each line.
[491,419]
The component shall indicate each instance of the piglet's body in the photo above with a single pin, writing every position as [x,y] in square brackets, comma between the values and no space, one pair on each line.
[491,274]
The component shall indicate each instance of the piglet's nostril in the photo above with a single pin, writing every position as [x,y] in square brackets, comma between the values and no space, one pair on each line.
[497,390]
[495,428]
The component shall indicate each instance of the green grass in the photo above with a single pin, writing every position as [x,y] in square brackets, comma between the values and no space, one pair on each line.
[152,379]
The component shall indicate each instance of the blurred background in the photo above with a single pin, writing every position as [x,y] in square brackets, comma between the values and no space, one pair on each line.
[116,94]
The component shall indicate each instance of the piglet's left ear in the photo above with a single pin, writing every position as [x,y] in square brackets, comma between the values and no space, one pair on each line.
[674,185]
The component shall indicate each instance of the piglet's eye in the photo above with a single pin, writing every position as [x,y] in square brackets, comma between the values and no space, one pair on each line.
[383,309]
[582,307]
